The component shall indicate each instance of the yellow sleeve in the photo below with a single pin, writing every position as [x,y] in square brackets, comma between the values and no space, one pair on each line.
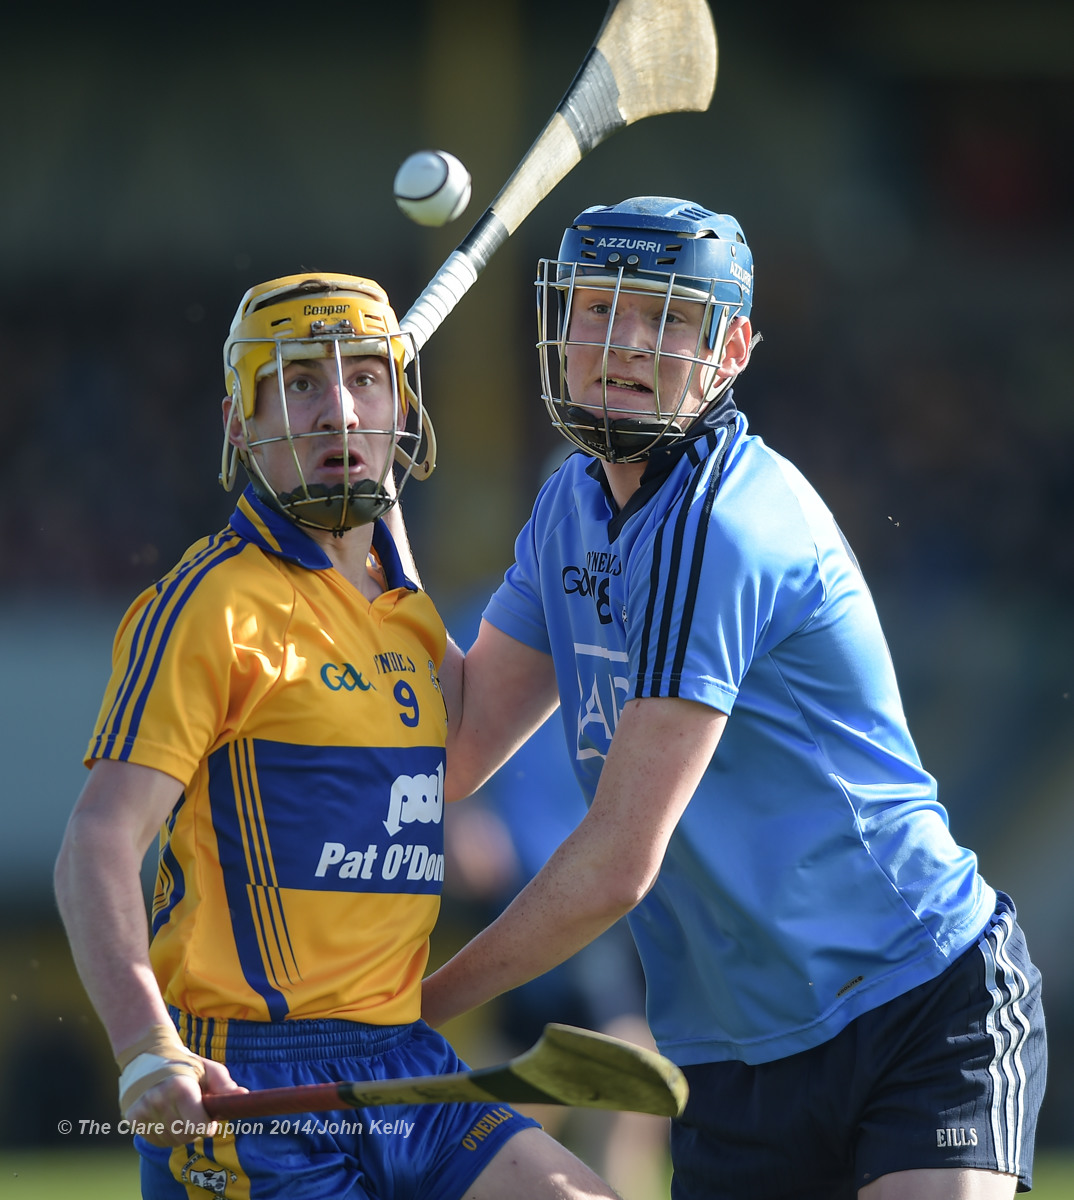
[191,656]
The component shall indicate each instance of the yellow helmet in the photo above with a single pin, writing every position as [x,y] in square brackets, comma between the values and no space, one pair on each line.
[319,316]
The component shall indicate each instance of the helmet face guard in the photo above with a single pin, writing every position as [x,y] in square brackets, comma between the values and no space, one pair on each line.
[298,318]
[658,247]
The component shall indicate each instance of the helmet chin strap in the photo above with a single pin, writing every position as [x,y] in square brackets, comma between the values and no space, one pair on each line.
[333,509]
[627,439]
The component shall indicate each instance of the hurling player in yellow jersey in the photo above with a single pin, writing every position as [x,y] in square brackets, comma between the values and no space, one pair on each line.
[274,719]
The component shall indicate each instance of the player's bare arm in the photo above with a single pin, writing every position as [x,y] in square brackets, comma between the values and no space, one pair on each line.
[660,750]
[497,695]
[98,889]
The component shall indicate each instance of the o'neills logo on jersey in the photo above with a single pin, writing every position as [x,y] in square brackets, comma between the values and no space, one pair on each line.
[956,1137]
[622,243]
[324,310]
[391,661]
[485,1126]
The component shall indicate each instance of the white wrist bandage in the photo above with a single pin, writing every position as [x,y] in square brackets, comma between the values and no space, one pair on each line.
[152,1059]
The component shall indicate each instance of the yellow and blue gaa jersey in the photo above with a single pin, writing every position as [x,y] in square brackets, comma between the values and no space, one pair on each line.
[300,872]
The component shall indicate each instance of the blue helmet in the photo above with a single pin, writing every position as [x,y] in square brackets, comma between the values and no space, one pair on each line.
[658,237]
[691,259]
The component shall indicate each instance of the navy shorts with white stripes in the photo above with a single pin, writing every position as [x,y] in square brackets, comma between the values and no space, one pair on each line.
[951,1074]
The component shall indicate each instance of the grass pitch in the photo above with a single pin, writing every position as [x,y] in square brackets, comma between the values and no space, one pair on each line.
[113,1175]
[52,1174]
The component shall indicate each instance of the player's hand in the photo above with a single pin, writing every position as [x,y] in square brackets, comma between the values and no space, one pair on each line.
[161,1085]
[171,1112]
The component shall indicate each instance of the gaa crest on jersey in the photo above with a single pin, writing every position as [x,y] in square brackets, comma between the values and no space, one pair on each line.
[345,676]
[593,580]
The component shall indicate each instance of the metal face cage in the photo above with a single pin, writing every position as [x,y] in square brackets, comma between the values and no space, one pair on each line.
[342,506]
[619,434]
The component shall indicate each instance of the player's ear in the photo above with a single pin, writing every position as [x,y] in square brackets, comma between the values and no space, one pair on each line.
[234,442]
[233,431]
[737,348]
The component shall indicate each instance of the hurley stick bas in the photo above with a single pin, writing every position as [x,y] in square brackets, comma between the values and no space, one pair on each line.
[566,1066]
[649,57]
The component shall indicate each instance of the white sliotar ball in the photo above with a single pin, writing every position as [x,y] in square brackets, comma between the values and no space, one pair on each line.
[432,187]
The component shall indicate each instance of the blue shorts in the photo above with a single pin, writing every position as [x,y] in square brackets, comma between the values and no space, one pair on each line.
[426,1151]
[951,1074]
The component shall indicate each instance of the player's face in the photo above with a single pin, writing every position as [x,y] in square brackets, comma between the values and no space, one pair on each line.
[611,361]
[319,402]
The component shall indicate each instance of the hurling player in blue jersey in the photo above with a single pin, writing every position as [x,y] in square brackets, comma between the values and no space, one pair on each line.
[275,722]
[852,1003]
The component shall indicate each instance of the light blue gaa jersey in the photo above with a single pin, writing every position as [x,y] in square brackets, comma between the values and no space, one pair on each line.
[813,875]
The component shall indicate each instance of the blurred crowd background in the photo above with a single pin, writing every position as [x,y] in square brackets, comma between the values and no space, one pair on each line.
[905,176]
